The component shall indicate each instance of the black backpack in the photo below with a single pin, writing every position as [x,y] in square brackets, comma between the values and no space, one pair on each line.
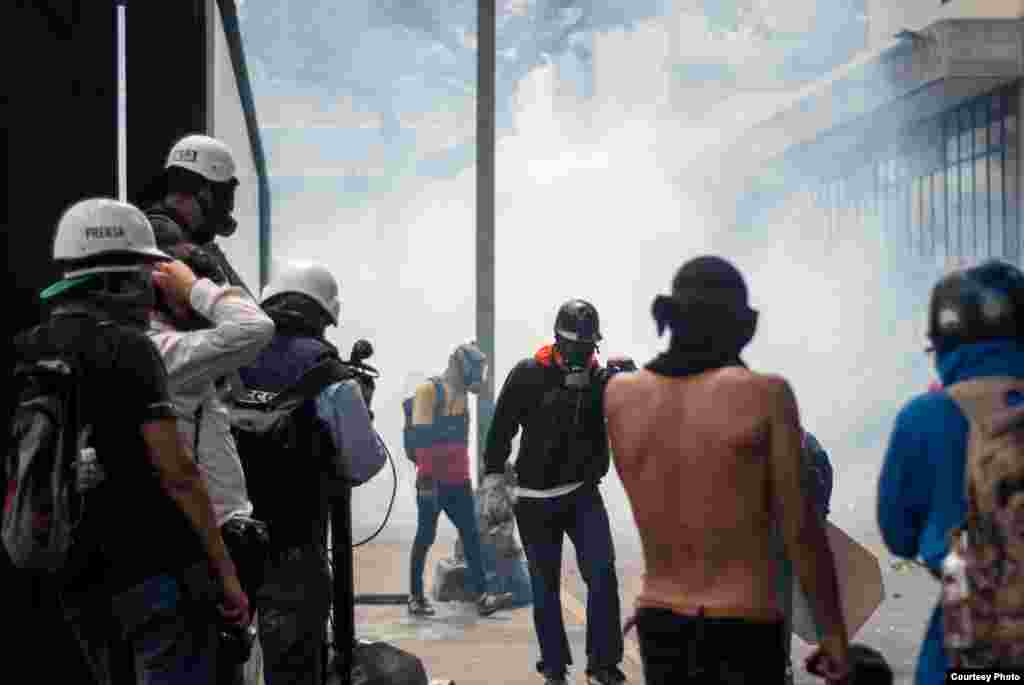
[407,440]
[43,508]
[258,416]
[380,663]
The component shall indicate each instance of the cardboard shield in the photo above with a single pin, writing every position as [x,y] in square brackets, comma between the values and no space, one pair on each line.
[860,587]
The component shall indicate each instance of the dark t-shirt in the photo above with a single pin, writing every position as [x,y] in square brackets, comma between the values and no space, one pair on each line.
[140,529]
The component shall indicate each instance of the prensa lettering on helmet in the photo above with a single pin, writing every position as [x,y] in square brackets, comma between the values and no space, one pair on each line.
[103,232]
[185,155]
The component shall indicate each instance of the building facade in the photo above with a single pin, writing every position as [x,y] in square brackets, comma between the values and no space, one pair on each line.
[917,140]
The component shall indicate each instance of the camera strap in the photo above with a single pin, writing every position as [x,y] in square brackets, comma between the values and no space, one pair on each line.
[330,370]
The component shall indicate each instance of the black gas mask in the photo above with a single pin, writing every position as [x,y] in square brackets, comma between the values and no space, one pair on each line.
[217,201]
[576,356]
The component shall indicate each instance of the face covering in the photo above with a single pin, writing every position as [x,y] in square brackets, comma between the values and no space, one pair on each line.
[217,203]
[129,298]
[705,336]
[575,355]
[471,366]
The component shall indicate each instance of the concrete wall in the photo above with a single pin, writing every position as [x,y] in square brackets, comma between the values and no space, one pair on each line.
[886,18]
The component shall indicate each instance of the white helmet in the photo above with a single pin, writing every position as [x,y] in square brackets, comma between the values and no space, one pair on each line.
[100,227]
[206,156]
[310,279]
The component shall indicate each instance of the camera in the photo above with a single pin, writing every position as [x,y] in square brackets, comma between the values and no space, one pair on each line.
[363,373]
[248,543]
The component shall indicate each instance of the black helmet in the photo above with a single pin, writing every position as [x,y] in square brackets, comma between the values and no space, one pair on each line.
[577,321]
[984,302]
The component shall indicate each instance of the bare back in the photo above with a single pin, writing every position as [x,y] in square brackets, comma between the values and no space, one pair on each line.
[693,454]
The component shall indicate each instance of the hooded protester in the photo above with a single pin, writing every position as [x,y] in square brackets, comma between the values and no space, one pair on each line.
[976,329]
[709,454]
[555,397]
[440,438]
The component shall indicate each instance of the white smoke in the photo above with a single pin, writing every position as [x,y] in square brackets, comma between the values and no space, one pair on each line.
[593,201]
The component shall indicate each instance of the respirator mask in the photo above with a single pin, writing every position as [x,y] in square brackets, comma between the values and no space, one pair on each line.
[217,201]
[128,295]
[576,356]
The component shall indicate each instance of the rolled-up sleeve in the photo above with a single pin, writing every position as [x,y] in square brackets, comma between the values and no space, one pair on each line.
[360,451]
[240,331]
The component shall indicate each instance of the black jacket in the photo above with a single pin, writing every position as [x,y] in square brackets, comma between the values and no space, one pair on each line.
[564,440]
[166,218]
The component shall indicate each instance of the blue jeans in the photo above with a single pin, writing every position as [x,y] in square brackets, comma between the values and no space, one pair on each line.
[457,502]
[170,631]
[543,524]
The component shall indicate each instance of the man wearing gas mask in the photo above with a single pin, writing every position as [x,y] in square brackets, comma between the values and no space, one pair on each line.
[196,192]
[440,439]
[556,398]
[305,434]
[204,328]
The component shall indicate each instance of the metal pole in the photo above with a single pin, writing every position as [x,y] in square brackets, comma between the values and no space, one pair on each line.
[233,37]
[485,182]
[343,581]
[509,571]
[122,103]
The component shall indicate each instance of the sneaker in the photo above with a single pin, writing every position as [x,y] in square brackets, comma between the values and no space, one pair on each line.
[552,677]
[419,606]
[490,602]
[609,675]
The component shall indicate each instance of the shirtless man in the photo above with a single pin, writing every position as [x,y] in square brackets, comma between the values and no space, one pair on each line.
[709,454]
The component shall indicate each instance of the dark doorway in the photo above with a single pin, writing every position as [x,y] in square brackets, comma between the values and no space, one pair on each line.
[61,114]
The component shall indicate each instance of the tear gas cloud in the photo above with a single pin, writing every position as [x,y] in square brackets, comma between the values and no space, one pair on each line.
[593,202]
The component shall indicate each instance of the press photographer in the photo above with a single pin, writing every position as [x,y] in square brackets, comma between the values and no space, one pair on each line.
[205,329]
[304,432]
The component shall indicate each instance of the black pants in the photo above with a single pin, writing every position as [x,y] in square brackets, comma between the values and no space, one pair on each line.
[731,651]
[543,525]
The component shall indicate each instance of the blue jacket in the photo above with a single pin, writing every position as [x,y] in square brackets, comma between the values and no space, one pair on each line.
[921,489]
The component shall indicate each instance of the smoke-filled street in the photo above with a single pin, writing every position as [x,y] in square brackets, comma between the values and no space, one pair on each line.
[735,281]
